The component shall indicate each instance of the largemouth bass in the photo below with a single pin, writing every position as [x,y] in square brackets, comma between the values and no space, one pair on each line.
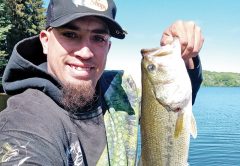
[166,118]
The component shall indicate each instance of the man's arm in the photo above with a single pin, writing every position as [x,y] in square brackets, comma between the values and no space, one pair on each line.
[20,148]
[23,139]
[196,77]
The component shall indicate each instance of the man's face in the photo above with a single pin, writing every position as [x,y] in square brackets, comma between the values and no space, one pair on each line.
[77,51]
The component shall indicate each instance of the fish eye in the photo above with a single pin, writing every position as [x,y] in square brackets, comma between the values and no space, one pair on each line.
[151,67]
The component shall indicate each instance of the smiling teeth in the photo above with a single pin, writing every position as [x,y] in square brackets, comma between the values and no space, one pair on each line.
[82,68]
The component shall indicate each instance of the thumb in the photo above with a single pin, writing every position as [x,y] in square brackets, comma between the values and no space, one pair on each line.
[166,39]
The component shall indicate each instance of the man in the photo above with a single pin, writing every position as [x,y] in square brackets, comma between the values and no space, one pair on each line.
[65,109]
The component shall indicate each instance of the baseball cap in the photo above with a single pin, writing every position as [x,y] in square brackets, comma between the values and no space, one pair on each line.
[61,12]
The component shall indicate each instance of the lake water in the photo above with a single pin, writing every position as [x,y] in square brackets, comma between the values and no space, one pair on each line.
[217,112]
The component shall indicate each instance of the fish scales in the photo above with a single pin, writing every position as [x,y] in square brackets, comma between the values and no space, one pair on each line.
[166,117]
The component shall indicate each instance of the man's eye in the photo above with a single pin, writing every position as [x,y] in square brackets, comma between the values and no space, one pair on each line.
[100,38]
[69,35]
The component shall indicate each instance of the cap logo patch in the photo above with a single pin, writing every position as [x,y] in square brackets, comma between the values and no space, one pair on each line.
[99,5]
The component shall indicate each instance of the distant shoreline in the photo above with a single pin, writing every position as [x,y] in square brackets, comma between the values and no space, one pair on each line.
[210,79]
[220,79]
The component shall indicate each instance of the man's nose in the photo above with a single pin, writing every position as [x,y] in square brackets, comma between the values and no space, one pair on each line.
[84,52]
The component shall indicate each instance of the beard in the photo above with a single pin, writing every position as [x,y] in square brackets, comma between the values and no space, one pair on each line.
[76,98]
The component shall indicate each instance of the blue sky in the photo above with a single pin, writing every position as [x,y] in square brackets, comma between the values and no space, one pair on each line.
[145,20]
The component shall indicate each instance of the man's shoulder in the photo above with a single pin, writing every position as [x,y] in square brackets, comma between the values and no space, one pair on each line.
[33,112]
[31,100]
[117,78]
[32,107]
[120,91]
[111,74]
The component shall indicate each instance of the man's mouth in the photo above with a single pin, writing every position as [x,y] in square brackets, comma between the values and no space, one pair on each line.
[81,68]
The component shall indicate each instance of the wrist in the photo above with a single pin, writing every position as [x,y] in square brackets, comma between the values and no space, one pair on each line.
[189,63]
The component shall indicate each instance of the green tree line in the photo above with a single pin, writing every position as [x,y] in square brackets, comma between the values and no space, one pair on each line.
[18,19]
[226,79]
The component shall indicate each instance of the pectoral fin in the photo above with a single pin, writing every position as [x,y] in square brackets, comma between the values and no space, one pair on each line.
[193,129]
[179,126]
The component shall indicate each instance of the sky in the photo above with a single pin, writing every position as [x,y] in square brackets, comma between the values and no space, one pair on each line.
[145,21]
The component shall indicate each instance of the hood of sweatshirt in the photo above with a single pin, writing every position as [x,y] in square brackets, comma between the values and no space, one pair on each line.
[27,68]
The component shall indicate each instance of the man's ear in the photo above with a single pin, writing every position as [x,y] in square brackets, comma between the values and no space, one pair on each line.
[44,36]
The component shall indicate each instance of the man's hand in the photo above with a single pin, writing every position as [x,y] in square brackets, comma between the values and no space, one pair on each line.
[190,37]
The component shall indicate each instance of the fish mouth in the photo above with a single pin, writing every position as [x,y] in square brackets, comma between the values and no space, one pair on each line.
[157,52]
[146,52]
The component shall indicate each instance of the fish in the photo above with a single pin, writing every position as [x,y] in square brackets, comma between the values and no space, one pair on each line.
[167,121]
